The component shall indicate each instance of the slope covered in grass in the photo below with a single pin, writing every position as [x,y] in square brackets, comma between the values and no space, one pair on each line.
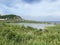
[20,35]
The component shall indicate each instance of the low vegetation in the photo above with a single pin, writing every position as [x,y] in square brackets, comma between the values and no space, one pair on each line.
[20,35]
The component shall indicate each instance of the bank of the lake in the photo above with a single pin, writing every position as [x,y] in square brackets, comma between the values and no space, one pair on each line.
[21,35]
[34,25]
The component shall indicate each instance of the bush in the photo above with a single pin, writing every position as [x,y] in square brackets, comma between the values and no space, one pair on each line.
[11,35]
[18,38]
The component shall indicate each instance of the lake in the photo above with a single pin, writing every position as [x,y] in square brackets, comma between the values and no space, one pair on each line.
[35,25]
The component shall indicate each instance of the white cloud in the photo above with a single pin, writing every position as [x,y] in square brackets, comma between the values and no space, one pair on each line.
[44,8]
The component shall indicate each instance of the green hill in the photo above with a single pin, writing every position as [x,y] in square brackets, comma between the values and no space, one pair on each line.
[11,18]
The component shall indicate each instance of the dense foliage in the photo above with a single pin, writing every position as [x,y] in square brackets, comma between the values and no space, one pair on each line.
[11,18]
[8,16]
[20,35]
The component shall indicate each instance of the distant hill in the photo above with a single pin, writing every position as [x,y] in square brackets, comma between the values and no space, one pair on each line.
[11,18]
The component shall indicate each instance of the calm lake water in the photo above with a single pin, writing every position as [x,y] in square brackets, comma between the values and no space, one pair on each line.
[35,25]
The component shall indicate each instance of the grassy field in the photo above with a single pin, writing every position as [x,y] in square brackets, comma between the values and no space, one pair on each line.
[20,35]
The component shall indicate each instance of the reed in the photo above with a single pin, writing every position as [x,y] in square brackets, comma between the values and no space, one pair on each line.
[21,35]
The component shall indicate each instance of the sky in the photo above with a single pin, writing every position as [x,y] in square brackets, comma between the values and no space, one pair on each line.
[40,10]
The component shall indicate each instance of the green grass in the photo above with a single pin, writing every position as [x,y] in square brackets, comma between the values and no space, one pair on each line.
[20,35]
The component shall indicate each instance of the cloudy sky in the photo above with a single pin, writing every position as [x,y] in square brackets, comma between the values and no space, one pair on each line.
[41,10]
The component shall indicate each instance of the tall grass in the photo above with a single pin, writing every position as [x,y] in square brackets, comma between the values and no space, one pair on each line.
[20,35]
